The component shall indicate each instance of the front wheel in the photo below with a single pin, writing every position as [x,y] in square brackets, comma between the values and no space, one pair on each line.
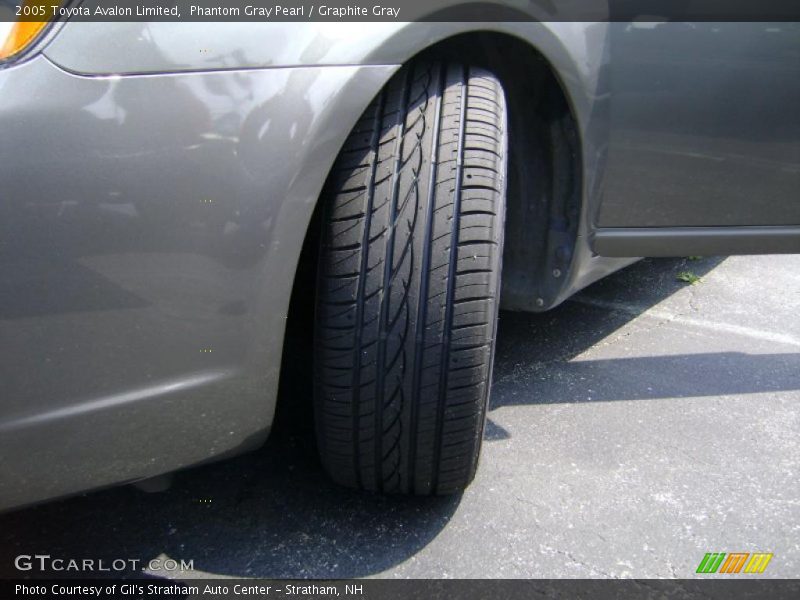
[409,283]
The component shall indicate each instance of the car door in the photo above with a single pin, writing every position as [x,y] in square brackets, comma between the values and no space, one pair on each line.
[704,146]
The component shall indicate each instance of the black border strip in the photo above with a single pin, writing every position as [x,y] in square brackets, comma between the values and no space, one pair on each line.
[404,10]
[408,589]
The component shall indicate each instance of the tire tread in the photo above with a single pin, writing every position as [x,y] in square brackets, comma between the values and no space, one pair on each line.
[408,283]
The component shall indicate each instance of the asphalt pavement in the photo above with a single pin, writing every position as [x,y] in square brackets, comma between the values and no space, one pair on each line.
[642,424]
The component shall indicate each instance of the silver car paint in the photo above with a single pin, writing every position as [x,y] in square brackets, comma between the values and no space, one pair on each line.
[150,230]
[705,127]
[154,202]
[699,118]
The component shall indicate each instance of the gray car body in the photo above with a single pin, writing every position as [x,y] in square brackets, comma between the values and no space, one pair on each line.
[158,180]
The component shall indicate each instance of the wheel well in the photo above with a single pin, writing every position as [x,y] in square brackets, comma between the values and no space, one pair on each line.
[544,183]
[543,202]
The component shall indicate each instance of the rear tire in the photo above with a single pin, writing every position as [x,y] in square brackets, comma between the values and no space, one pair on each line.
[409,283]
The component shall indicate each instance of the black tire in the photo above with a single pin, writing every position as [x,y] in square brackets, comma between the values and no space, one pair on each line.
[409,283]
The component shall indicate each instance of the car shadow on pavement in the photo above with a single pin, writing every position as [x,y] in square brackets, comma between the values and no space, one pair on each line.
[273,513]
[540,351]
[270,513]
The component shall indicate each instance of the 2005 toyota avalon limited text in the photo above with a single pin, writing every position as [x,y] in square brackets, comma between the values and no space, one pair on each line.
[165,186]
